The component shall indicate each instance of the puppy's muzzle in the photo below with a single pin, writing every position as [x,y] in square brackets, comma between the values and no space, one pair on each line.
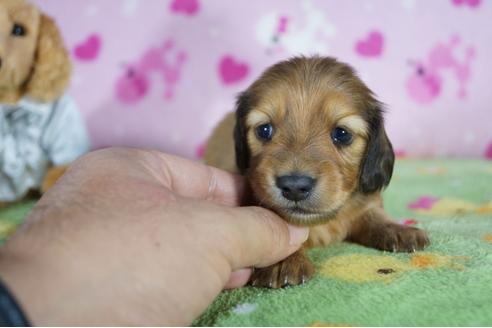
[295,187]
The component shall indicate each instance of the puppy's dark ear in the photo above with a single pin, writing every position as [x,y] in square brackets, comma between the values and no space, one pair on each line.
[379,159]
[243,106]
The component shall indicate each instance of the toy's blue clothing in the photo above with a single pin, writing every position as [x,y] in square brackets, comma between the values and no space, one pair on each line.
[34,136]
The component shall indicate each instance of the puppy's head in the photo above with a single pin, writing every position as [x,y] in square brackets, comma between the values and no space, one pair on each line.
[33,60]
[309,135]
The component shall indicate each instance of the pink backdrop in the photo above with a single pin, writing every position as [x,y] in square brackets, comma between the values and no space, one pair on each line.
[161,73]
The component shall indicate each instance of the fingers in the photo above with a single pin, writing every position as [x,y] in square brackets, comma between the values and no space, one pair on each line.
[198,181]
[260,238]
[239,278]
[182,176]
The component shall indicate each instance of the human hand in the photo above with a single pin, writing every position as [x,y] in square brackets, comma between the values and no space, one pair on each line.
[133,237]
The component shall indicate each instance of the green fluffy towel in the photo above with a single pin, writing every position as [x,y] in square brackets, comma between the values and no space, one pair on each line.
[447,284]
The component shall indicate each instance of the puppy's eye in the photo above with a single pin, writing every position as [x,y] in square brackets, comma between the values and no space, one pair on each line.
[341,137]
[18,30]
[264,132]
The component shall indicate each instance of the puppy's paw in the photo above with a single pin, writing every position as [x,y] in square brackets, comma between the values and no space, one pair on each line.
[294,270]
[398,238]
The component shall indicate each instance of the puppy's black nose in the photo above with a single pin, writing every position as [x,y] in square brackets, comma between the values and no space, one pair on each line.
[295,187]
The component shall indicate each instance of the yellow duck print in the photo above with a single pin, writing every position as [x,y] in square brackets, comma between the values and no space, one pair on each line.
[363,268]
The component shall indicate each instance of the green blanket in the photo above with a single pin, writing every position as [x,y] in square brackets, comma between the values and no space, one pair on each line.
[450,283]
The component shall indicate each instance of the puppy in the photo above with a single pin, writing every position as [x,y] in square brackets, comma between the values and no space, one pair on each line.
[309,137]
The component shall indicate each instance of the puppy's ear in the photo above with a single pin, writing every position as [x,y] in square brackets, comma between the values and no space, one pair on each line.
[379,159]
[243,106]
[51,67]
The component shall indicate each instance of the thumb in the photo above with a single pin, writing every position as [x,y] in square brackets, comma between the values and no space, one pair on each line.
[261,238]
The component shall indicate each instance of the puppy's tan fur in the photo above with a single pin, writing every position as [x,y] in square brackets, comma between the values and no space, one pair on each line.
[305,99]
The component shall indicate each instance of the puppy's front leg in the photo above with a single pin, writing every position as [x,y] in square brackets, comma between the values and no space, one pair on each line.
[375,229]
[294,270]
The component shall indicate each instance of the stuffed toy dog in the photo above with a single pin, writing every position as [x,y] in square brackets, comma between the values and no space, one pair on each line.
[41,129]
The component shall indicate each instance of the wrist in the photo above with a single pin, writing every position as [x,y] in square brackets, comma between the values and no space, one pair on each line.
[11,314]
[31,278]
[13,274]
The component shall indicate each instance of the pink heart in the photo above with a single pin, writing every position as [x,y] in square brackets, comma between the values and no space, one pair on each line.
[424,202]
[89,49]
[372,46]
[232,71]
[488,152]
[400,153]
[200,150]
[470,3]
[188,7]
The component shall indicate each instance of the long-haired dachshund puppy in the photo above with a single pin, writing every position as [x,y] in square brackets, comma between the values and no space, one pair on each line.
[309,137]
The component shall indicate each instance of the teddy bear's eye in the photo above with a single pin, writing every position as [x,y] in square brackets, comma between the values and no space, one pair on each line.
[18,30]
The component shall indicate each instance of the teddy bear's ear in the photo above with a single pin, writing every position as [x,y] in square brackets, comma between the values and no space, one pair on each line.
[51,67]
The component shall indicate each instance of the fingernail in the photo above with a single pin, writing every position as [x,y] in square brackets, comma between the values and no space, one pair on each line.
[298,235]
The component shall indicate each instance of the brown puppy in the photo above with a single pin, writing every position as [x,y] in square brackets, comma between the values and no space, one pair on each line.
[310,138]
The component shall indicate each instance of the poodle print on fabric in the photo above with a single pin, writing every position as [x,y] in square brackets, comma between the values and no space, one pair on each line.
[309,32]
[165,61]
[427,81]
[164,68]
